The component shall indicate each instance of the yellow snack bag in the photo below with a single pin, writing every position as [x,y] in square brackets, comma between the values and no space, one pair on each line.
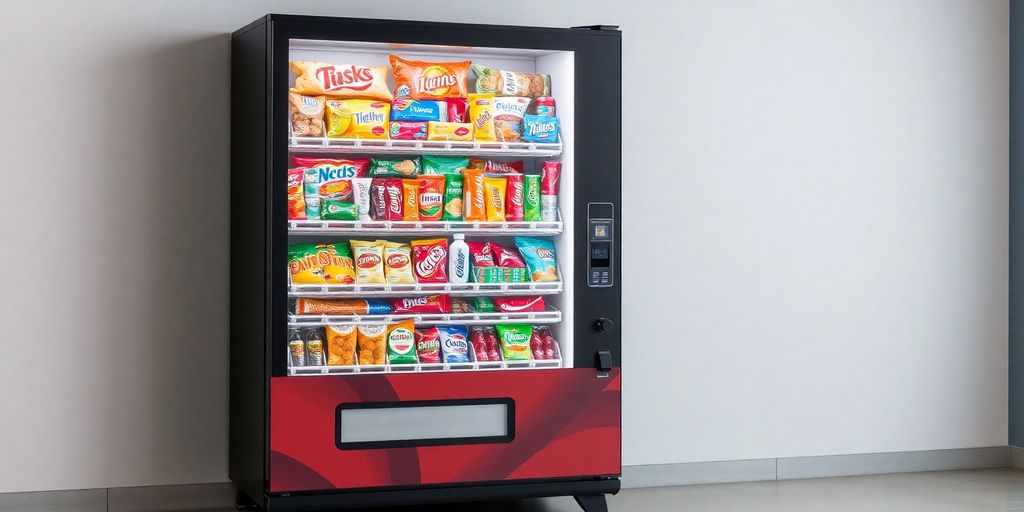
[481,114]
[398,263]
[341,344]
[369,258]
[494,190]
[357,119]
[372,345]
[437,130]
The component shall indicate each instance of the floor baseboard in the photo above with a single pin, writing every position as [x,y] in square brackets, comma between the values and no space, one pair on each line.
[173,498]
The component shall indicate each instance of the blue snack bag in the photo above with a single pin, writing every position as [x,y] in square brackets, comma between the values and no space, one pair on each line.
[540,128]
[454,343]
[377,307]
[418,110]
[539,255]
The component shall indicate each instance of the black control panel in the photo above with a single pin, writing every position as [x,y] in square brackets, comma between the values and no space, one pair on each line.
[600,224]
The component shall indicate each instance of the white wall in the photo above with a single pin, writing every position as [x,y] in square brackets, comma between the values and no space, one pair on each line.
[829,219]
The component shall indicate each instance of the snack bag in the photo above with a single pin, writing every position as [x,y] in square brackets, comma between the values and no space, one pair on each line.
[480,252]
[337,264]
[398,263]
[454,343]
[431,197]
[341,344]
[519,304]
[431,305]
[460,305]
[361,196]
[478,340]
[505,257]
[394,167]
[540,128]
[550,173]
[540,258]
[496,167]
[482,305]
[304,264]
[458,110]
[307,115]
[395,202]
[547,339]
[334,209]
[449,131]
[494,190]
[531,198]
[357,119]
[475,197]
[411,194]
[430,260]
[514,197]
[296,195]
[508,117]
[481,115]
[511,83]
[444,164]
[452,197]
[405,109]
[341,80]
[372,344]
[428,345]
[328,177]
[369,257]
[515,341]
[422,80]
[401,343]
[346,307]
[408,130]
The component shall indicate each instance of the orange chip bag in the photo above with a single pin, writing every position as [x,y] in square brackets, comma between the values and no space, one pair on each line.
[340,80]
[422,80]
[411,195]
[357,119]
[494,191]
[481,113]
[372,346]
[341,344]
[475,198]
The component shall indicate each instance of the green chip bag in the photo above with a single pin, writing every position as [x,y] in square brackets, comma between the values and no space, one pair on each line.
[515,341]
[401,341]
[452,197]
[444,164]
[531,198]
[331,209]
[394,167]
[482,305]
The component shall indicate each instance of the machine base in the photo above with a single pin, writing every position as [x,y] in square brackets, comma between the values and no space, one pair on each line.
[592,503]
[589,494]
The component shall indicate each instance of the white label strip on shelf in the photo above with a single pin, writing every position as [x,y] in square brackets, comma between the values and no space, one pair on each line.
[536,317]
[326,144]
[413,227]
[392,290]
[300,371]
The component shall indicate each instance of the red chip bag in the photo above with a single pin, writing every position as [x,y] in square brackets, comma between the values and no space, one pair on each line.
[395,199]
[430,259]
[431,304]
[519,304]
[428,345]
[495,166]
[506,257]
[514,198]
[478,340]
[458,110]
[481,253]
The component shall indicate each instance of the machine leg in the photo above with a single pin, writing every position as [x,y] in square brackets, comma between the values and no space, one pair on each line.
[244,502]
[592,503]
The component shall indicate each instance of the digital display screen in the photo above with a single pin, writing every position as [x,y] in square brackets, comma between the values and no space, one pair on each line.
[600,256]
[600,231]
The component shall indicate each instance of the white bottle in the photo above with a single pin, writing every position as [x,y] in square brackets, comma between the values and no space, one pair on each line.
[458,260]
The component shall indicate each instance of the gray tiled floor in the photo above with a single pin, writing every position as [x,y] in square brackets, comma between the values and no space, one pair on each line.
[986,490]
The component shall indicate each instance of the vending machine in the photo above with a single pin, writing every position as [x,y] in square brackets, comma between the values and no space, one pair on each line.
[425,263]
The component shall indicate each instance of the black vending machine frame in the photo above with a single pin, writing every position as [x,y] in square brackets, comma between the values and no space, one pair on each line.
[259,238]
